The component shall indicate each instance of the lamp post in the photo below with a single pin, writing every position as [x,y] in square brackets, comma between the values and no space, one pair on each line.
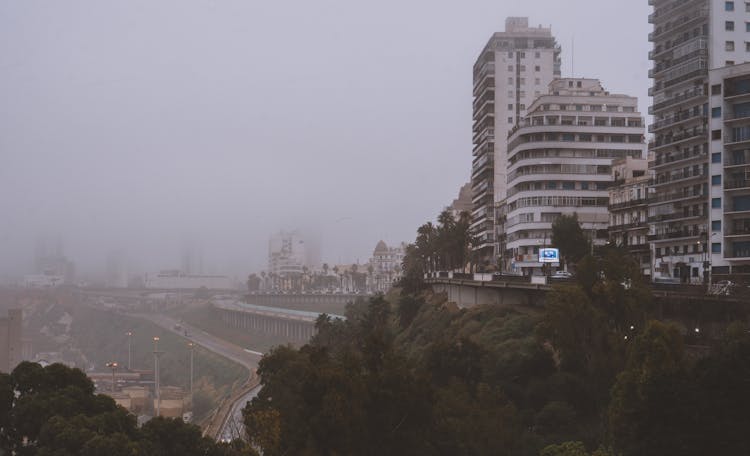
[113,366]
[192,346]
[130,351]
[156,375]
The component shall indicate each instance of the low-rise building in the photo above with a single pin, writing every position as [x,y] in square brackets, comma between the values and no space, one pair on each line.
[386,263]
[628,209]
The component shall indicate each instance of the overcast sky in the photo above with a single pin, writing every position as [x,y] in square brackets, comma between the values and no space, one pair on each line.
[141,125]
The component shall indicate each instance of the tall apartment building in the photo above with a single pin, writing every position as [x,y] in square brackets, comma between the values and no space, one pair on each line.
[727,242]
[11,344]
[513,69]
[690,38]
[560,163]
[287,254]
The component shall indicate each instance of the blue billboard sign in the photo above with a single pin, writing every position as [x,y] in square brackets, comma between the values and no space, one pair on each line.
[549,255]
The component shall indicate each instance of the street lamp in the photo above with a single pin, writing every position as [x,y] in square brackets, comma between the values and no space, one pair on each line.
[113,366]
[130,345]
[156,375]
[191,346]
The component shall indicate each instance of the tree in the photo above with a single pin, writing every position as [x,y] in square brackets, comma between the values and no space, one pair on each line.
[650,412]
[568,236]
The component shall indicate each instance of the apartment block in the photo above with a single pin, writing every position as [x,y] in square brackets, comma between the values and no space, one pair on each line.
[560,157]
[513,69]
[690,38]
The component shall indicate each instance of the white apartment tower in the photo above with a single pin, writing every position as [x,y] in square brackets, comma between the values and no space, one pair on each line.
[513,69]
[690,38]
[560,163]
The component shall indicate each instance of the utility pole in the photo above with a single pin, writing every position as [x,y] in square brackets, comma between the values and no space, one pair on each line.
[113,366]
[156,375]
[192,346]
[130,344]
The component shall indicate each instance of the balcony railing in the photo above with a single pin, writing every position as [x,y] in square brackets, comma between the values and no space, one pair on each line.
[659,124]
[662,197]
[678,176]
[685,96]
[627,204]
[736,184]
[675,216]
[679,137]
[677,234]
[675,158]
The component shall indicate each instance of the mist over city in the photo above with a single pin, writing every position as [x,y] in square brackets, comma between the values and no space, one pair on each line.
[241,228]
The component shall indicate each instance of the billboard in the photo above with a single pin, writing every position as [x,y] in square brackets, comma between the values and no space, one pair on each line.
[549,255]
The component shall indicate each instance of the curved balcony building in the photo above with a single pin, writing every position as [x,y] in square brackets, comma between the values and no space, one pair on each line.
[560,162]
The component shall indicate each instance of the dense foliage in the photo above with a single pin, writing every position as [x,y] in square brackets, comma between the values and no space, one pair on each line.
[54,411]
[590,374]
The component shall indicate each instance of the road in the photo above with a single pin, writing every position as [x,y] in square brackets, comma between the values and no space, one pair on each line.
[228,418]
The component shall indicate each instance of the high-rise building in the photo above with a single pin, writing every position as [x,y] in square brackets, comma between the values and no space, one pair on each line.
[560,163]
[690,37]
[11,344]
[513,69]
[726,245]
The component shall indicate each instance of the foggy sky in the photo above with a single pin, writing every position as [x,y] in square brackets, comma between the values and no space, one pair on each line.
[143,125]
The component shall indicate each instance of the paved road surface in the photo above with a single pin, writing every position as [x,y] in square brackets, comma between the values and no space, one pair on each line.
[232,427]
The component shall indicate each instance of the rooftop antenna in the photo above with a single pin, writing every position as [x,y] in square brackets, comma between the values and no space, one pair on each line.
[572,56]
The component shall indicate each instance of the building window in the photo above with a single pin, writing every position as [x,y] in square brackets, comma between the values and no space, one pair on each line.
[510,67]
[716,180]
[716,247]
[537,68]
[716,89]
[510,54]
[522,54]
[568,185]
[510,120]
[537,55]
[716,203]
[747,24]
[729,26]
[716,225]
[747,7]
[522,107]
[522,81]
[522,68]
[537,81]
[715,134]
[584,185]
[729,46]
[729,63]
[510,81]
[728,6]
[510,107]
[747,46]
[716,157]
[716,112]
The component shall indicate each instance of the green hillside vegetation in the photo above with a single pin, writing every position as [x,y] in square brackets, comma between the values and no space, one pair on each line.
[590,373]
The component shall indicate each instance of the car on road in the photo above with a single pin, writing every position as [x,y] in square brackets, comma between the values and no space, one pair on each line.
[558,275]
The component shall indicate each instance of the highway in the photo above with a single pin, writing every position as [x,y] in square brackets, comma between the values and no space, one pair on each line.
[228,418]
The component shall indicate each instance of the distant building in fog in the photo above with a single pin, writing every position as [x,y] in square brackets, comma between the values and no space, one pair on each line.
[117,270]
[192,259]
[386,266]
[178,280]
[287,254]
[463,202]
[50,261]
[11,344]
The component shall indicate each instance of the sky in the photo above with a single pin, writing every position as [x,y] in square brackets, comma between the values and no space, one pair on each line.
[144,125]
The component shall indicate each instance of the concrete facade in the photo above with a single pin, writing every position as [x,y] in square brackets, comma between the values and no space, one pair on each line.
[513,69]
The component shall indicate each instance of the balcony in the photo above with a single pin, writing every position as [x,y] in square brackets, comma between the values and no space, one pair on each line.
[738,159]
[663,160]
[676,234]
[675,216]
[629,204]
[629,226]
[676,100]
[677,25]
[737,184]
[740,228]
[688,135]
[662,197]
[676,119]
[678,176]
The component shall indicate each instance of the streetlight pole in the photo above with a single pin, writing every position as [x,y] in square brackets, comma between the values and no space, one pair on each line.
[192,346]
[113,366]
[156,375]
[130,351]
